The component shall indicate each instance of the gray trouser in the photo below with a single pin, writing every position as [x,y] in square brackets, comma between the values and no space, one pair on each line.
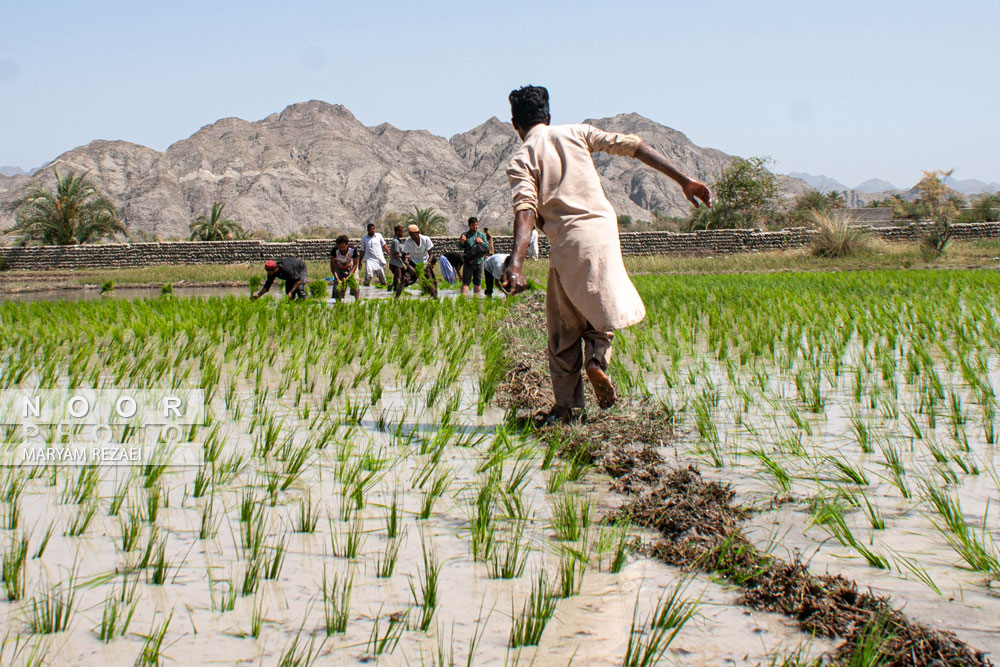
[568,328]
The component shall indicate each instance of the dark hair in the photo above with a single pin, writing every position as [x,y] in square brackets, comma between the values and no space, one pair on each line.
[473,219]
[342,239]
[529,106]
[370,225]
[398,228]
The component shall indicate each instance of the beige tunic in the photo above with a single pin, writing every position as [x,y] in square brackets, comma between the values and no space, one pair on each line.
[553,174]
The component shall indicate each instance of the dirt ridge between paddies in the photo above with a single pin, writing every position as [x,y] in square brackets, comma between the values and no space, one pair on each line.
[700,522]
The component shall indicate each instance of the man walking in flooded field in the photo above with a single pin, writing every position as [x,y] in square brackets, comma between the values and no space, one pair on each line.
[556,188]
[292,270]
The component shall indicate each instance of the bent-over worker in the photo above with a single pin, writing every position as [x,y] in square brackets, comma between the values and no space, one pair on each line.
[292,270]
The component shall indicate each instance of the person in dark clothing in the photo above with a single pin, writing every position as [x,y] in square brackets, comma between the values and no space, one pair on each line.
[475,248]
[292,270]
[397,265]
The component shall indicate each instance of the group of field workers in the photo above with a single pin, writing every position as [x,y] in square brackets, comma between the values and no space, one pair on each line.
[556,189]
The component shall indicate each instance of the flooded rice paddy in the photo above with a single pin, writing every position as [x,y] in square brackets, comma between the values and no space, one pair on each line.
[349,495]
[355,496]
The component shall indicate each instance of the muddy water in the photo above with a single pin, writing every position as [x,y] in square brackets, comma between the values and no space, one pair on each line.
[589,628]
[969,602]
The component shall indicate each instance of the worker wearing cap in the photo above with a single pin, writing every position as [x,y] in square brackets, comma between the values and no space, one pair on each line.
[417,249]
[292,270]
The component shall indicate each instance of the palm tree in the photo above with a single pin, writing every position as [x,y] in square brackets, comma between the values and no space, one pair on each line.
[214,227]
[834,199]
[431,222]
[75,213]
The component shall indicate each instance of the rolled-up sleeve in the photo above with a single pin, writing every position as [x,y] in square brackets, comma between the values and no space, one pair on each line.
[523,183]
[611,143]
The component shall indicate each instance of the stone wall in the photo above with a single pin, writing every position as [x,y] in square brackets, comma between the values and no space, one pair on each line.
[115,256]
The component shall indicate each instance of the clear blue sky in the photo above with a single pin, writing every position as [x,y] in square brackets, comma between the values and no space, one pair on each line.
[853,90]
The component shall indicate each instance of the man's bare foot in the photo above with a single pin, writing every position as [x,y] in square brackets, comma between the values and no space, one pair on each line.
[603,389]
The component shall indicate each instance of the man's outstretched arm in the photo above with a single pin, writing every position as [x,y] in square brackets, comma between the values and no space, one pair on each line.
[513,278]
[693,189]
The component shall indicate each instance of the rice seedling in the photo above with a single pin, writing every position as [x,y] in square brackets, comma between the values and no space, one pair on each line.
[650,638]
[557,477]
[11,518]
[509,555]
[894,463]
[119,607]
[379,641]
[438,489]
[846,473]
[295,655]
[159,566]
[272,565]
[347,544]
[84,487]
[12,564]
[118,498]
[131,529]
[979,552]
[257,613]
[81,520]
[622,546]
[528,626]
[572,566]
[871,645]
[862,434]
[52,609]
[337,602]
[222,598]
[427,596]
[571,519]
[308,515]
[153,642]
[253,572]
[837,527]
[385,564]
[209,527]
[40,551]
[392,516]
[910,565]
[780,478]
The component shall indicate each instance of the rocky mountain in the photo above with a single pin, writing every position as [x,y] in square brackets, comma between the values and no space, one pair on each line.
[11,171]
[819,182]
[874,185]
[972,186]
[314,166]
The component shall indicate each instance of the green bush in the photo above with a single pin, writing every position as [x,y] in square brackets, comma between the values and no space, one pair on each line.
[107,287]
[985,208]
[167,289]
[746,195]
[255,283]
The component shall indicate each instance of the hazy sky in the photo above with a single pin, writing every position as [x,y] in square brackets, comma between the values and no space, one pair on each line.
[853,90]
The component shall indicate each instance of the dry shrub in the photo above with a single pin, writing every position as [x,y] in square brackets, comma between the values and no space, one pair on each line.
[837,235]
